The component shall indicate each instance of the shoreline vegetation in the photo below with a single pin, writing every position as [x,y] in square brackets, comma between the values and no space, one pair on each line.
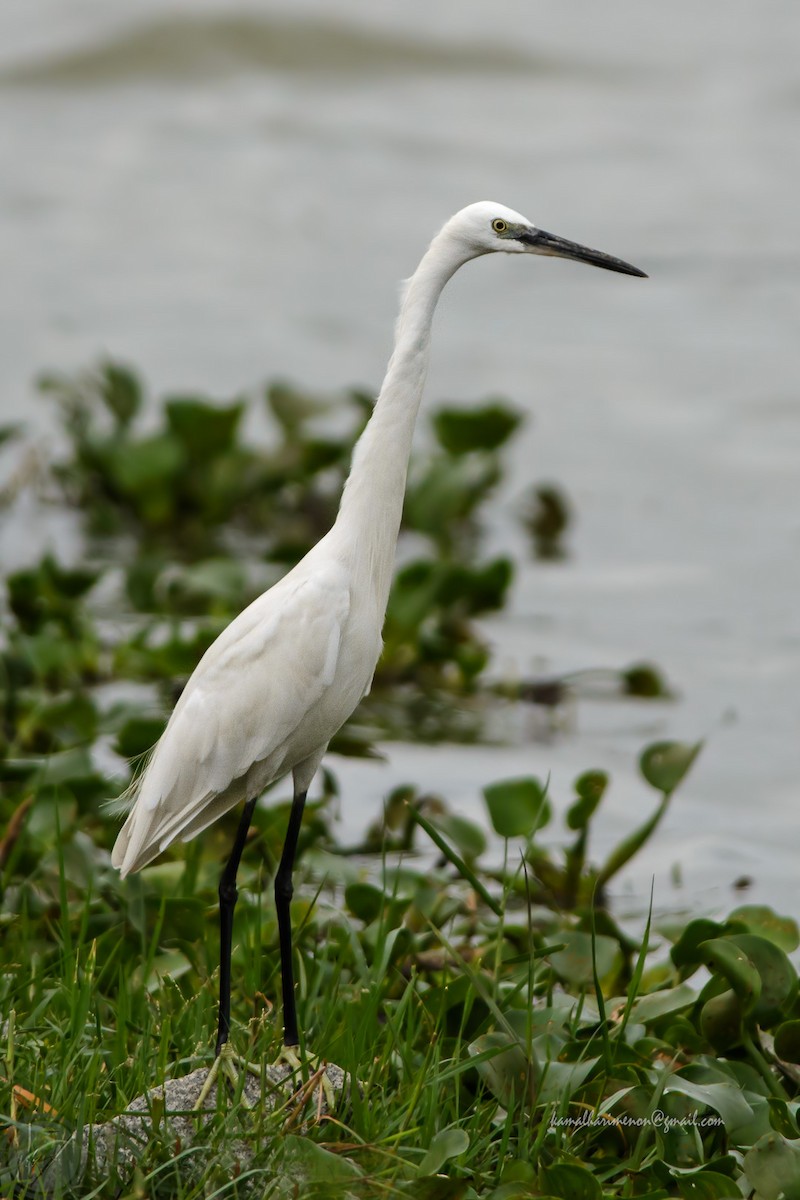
[509,1037]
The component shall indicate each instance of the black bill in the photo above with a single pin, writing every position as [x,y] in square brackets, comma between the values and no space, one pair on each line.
[548,243]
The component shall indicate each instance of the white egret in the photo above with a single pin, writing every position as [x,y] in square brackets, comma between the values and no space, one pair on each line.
[283,677]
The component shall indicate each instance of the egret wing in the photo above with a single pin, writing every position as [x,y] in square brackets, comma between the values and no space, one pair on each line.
[251,700]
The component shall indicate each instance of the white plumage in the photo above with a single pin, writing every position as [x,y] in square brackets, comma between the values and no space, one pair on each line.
[276,685]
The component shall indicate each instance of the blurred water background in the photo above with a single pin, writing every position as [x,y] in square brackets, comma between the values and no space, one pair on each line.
[224,193]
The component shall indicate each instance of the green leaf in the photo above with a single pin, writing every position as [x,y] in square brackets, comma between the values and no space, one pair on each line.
[517,807]
[646,1009]
[590,788]
[121,391]
[486,428]
[726,1099]
[721,1020]
[507,1072]
[574,963]
[763,920]
[316,1165]
[707,1185]
[446,1144]
[137,467]
[772,1167]
[664,764]
[475,590]
[562,1079]
[645,681]
[725,958]
[448,493]
[170,964]
[782,1116]
[778,976]
[364,900]
[206,430]
[467,836]
[571,1182]
[686,951]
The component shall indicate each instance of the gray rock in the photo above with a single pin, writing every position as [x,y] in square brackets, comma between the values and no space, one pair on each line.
[110,1150]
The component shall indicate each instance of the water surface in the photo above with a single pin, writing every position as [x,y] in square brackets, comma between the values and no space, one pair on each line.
[222,194]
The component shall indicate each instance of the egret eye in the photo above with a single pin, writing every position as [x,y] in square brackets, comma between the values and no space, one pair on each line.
[499,225]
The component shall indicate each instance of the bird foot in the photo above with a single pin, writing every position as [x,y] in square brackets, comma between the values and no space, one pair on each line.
[317,1083]
[224,1066]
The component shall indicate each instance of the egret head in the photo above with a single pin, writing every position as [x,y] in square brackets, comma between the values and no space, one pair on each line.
[486,227]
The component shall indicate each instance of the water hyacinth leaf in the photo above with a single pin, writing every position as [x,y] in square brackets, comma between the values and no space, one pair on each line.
[787,1041]
[778,976]
[446,494]
[506,1070]
[721,1020]
[571,1182]
[121,391]
[413,594]
[547,1026]
[707,1185]
[646,1009]
[306,1162]
[645,681]
[782,1117]
[763,920]
[517,807]
[665,764]
[725,1098]
[206,430]
[478,589]
[686,951]
[723,957]
[772,1167]
[485,428]
[135,468]
[68,767]
[561,1080]
[589,788]
[364,900]
[172,964]
[468,837]
[575,963]
[446,1144]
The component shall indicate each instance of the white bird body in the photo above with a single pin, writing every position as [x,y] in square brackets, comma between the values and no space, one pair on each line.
[265,699]
[283,677]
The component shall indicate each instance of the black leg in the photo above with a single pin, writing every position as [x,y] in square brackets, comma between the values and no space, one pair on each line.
[283,898]
[228,896]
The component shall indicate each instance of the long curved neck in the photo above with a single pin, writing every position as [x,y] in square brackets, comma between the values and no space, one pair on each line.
[372,501]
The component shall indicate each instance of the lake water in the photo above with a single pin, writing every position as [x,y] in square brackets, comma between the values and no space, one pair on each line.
[222,194]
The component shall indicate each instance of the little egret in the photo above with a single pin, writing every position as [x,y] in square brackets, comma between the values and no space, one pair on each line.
[283,677]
